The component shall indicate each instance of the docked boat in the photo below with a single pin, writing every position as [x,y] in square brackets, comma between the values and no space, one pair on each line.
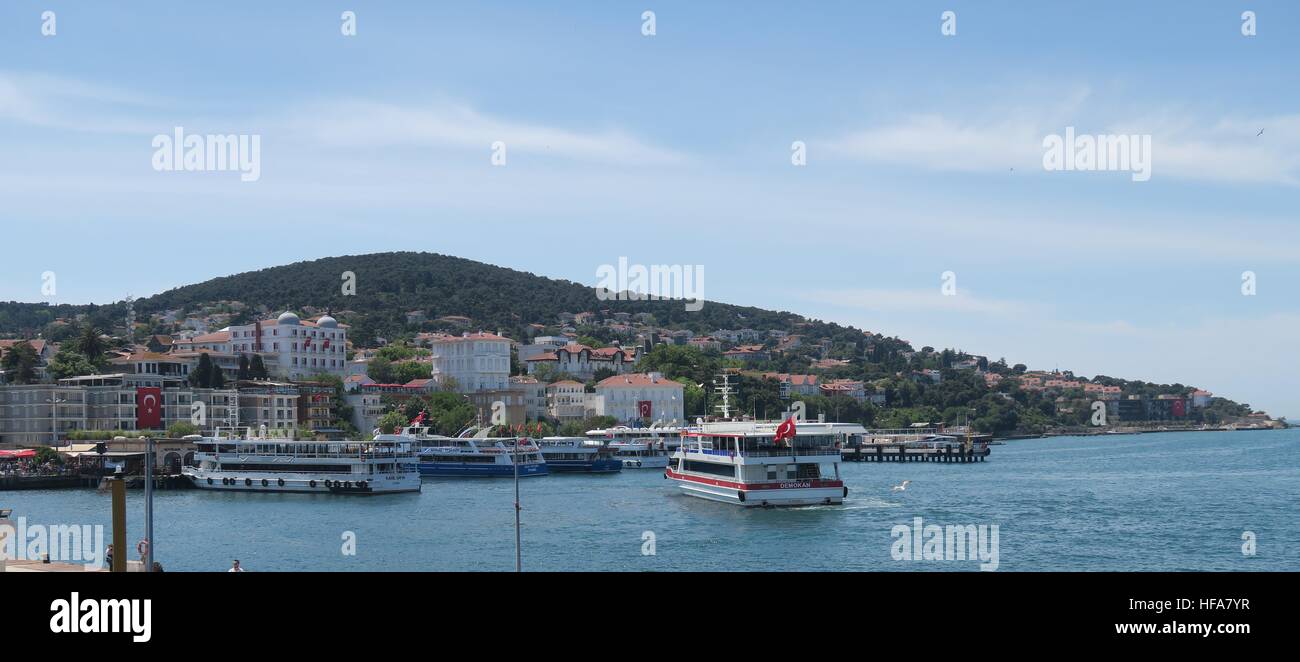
[744,463]
[452,457]
[324,467]
[578,455]
[642,448]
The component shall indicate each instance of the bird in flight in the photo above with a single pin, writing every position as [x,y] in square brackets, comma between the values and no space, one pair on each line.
[1261,132]
[902,487]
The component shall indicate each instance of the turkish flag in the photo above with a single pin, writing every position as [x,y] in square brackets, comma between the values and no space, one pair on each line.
[645,408]
[148,407]
[785,430]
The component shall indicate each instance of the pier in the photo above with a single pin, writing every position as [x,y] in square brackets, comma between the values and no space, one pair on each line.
[902,453]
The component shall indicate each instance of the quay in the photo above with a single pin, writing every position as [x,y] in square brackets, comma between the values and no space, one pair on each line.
[69,481]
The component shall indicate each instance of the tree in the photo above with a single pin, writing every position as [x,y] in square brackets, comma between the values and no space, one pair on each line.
[201,376]
[257,368]
[392,422]
[181,429]
[243,368]
[47,455]
[70,363]
[20,363]
[408,371]
[90,345]
[380,369]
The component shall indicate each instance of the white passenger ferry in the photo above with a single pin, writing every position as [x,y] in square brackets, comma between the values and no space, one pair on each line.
[642,448]
[325,467]
[454,457]
[741,463]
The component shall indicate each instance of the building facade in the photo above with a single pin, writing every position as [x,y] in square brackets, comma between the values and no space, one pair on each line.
[643,397]
[45,414]
[472,361]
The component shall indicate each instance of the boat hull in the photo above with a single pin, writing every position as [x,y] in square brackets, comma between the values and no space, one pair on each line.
[304,483]
[645,462]
[459,470]
[606,466]
[761,495]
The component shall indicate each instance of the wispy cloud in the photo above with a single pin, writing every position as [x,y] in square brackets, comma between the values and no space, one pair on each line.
[994,137]
[371,124]
[54,102]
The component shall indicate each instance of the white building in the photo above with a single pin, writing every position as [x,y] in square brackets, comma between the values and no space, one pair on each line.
[541,345]
[534,396]
[644,397]
[475,361]
[44,414]
[292,348]
[581,361]
[569,401]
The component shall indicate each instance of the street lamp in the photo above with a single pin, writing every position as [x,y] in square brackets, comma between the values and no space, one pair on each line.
[54,416]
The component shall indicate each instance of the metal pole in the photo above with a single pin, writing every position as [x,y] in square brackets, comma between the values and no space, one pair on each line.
[118,487]
[148,504]
[519,559]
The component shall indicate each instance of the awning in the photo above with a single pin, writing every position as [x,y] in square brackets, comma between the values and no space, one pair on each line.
[17,455]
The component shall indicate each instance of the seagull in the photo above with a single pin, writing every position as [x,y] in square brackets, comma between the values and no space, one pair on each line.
[1261,132]
[900,488]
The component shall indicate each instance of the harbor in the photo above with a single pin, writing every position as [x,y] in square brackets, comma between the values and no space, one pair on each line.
[1064,504]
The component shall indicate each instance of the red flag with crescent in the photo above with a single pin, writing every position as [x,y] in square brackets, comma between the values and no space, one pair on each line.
[148,405]
[785,430]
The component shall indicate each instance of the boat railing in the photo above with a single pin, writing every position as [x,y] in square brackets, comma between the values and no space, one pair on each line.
[764,452]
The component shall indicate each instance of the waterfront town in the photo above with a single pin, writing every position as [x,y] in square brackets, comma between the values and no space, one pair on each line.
[300,375]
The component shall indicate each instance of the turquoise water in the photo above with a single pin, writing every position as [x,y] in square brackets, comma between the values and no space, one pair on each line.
[1172,501]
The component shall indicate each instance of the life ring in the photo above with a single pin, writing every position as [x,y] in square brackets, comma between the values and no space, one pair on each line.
[329,483]
[142,547]
[265,482]
[248,482]
[312,483]
[280,482]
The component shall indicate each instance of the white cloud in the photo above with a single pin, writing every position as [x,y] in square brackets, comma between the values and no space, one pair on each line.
[369,124]
[995,137]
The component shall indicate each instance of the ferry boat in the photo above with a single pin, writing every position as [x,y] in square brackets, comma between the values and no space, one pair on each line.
[303,466]
[642,448]
[742,463]
[451,457]
[578,454]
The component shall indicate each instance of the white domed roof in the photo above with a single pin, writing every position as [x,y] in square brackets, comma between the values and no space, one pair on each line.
[288,319]
[327,322]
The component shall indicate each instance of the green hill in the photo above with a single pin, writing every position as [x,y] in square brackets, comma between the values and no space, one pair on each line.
[388,285]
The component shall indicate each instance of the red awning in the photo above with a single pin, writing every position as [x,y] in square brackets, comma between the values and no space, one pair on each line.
[24,453]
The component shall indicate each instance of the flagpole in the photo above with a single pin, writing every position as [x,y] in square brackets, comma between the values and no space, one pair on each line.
[519,561]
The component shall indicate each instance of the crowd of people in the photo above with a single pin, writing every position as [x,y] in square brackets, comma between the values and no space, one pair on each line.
[28,467]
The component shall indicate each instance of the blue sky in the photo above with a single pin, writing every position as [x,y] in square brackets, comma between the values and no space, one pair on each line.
[924,156]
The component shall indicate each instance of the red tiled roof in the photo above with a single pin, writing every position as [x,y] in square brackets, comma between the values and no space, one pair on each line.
[636,380]
[219,336]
